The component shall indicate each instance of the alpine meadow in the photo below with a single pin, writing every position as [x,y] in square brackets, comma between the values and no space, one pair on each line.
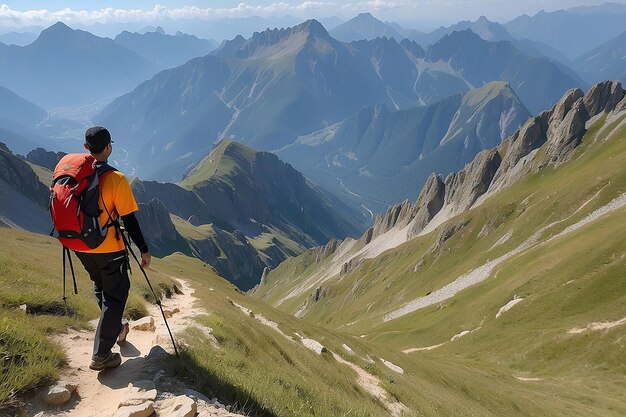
[357,209]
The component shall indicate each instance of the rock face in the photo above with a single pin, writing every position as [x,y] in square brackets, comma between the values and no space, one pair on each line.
[155,222]
[46,159]
[19,175]
[603,97]
[23,198]
[565,136]
[428,204]
[464,187]
[398,215]
[322,252]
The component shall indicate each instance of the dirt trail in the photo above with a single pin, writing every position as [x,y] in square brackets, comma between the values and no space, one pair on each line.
[99,393]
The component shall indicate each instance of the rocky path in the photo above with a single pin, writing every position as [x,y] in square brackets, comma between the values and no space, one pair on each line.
[137,384]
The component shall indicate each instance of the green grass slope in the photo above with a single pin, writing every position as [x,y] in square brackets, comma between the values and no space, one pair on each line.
[566,284]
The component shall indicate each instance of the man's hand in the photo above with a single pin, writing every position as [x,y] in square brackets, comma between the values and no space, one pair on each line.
[146,258]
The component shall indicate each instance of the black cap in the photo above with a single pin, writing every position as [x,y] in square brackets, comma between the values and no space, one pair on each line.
[97,138]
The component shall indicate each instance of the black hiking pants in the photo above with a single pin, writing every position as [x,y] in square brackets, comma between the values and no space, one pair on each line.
[109,273]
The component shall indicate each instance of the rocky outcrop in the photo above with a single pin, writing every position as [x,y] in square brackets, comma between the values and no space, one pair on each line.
[565,136]
[264,275]
[236,260]
[20,176]
[43,158]
[429,203]
[464,187]
[349,266]
[23,198]
[177,200]
[530,136]
[398,215]
[155,221]
[603,97]
[448,231]
[322,252]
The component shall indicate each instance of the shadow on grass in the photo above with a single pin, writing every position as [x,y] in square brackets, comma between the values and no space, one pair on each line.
[214,386]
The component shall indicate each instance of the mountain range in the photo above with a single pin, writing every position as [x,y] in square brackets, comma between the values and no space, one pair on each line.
[165,51]
[512,264]
[364,26]
[446,205]
[280,84]
[100,68]
[573,31]
[606,62]
[241,210]
[378,157]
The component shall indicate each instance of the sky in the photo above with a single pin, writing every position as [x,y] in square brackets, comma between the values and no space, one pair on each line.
[415,14]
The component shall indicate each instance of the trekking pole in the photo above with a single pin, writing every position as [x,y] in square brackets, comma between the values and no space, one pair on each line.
[158,301]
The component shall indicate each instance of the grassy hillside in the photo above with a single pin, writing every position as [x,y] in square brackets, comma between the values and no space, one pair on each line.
[565,284]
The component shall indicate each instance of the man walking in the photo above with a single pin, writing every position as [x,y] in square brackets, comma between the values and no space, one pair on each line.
[107,265]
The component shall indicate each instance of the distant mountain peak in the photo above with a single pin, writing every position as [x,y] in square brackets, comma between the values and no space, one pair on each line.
[313,27]
[160,30]
[58,26]
[365,15]
[59,31]
[261,42]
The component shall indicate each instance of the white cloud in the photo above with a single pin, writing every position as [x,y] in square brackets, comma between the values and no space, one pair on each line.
[9,17]
[395,9]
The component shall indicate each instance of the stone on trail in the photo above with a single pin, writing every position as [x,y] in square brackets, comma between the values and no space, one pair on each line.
[145,324]
[138,396]
[181,406]
[170,313]
[60,393]
[142,410]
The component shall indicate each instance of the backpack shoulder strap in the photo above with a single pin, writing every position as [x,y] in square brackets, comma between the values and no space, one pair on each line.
[104,168]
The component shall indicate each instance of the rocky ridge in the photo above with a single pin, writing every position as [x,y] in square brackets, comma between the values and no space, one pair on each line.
[560,128]
[23,198]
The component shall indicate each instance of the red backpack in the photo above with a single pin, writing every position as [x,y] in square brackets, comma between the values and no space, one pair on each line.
[74,199]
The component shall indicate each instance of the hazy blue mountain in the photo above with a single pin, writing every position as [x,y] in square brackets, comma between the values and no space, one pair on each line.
[573,31]
[165,51]
[606,62]
[379,157]
[537,81]
[492,32]
[18,109]
[486,29]
[283,83]
[365,26]
[18,121]
[18,38]
[65,66]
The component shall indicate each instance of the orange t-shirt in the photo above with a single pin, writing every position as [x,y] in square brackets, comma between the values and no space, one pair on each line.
[119,200]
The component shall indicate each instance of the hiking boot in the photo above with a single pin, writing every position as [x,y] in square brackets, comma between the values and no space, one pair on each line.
[110,360]
[123,333]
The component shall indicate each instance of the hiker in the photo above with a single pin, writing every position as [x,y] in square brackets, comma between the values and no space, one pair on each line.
[107,265]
